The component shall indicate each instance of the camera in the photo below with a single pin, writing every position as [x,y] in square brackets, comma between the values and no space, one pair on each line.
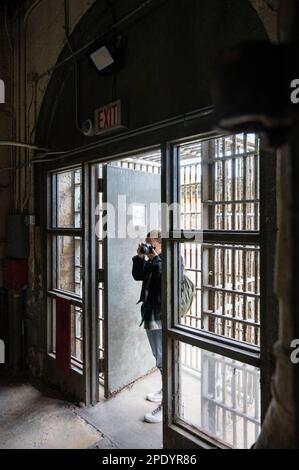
[146,248]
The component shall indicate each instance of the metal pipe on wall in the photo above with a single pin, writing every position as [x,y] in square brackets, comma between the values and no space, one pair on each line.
[122,20]
[13,114]
[27,182]
[199,114]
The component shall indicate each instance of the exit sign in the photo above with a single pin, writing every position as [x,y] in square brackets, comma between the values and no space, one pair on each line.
[108,118]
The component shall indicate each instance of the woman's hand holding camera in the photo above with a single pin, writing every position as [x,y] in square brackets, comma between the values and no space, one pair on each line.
[151,255]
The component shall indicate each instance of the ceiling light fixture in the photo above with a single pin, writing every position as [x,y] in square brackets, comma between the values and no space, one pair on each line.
[102,58]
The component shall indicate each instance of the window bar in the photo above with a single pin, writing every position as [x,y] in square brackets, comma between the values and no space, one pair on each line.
[256,178]
[256,300]
[238,321]
[245,306]
[195,198]
[197,311]
[184,196]
[199,293]
[188,321]
[211,295]
[56,272]
[199,184]
[244,183]
[256,403]
[224,282]
[245,410]
[223,184]
[239,247]
[202,197]
[190,196]
[234,288]
[224,413]
[234,181]
[56,184]
[233,390]
[211,173]
[230,291]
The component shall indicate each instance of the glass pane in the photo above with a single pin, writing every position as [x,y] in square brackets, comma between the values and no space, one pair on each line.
[67,274]
[148,162]
[219,396]
[219,187]
[190,186]
[77,332]
[227,290]
[67,203]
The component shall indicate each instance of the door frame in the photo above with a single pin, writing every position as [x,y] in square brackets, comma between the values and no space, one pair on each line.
[167,135]
[74,384]
[178,435]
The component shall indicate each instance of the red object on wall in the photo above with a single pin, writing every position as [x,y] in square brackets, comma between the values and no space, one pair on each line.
[63,334]
[15,274]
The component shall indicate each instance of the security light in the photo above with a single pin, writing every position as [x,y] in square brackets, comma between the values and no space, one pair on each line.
[102,58]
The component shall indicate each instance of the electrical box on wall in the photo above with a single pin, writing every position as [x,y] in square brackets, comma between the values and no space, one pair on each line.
[17,235]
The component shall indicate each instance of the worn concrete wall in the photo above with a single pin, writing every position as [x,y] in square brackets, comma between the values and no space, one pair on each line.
[6,155]
[38,35]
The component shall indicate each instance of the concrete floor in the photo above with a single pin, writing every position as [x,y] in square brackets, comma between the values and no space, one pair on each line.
[31,419]
[121,419]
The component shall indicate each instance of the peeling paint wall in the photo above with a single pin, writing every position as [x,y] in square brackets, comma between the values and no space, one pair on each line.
[38,36]
[6,154]
[45,40]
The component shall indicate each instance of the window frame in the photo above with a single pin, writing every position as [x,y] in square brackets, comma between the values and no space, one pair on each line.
[167,137]
[52,234]
[174,332]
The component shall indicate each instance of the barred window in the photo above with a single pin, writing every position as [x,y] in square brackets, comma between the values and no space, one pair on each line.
[219,202]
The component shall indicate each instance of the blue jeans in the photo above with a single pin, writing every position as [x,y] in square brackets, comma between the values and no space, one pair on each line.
[155,340]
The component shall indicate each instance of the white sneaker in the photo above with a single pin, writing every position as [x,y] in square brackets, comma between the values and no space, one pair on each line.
[155,416]
[155,397]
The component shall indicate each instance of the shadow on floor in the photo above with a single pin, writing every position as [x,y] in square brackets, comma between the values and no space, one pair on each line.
[32,417]
[121,418]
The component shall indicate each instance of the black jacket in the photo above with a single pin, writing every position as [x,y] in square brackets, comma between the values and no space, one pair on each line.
[142,270]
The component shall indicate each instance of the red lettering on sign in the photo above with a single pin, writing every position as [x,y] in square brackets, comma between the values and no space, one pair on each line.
[108,117]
